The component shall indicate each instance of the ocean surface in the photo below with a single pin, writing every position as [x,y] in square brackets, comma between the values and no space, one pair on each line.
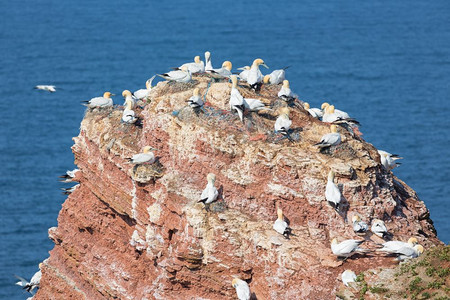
[387,63]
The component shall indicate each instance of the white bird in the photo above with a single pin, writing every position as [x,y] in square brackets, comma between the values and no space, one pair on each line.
[359,226]
[68,191]
[129,97]
[283,123]
[145,157]
[346,248]
[285,92]
[405,251]
[379,228]
[208,66]
[253,104]
[33,283]
[395,246]
[315,112]
[281,226]
[183,75]
[196,100]
[69,176]
[143,93]
[198,66]
[330,139]
[275,77]
[332,192]
[348,276]
[243,75]
[388,160]
[225,71]
[254,76]
[339,113]
[100,102]
[242,289]
[236,99]
[210,192]
[48,88]
[128,115]
[331,114]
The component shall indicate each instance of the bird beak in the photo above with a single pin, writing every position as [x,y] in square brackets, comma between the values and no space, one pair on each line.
[241,69]
[113,94]
[264,65]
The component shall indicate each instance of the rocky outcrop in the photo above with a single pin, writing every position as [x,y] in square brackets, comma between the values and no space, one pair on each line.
[139,233]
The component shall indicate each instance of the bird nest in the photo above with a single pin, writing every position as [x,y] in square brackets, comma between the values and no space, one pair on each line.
[144,173]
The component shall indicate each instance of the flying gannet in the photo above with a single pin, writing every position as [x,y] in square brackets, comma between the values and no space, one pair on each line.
[330,139]
[254,75]
[283,123]
[236,99]
[346,248]
[315,112]
[208,66]
[100,102]
[143,93]
[388,160]
[359,226]
[34,282]
[285,92]
[198,66]
[332,192]
[69,176]
[128,115]
[210,192]
[146,157]
[281,226]
[243,75]
[225,71]
[196,100]
[242,289]
[348,276]
[379,228]
[183,75]
[68,191]
[275,77]
[48,88]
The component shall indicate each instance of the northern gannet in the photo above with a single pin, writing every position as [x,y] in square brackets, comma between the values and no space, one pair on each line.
[254,75]
[242,289]
[346,248]
[337,112]
[331,114]
[379,228]
[183,75]
[285,92]
[359,226]
[196,100]
[100,102]
[210,192]
[236,99]
[315,112]
[34,282]
[348,276]
[225,71]
[145,157]
[330,139]
[281,226]
[69,176]
[332,192]
[275,77]
[243,75]
[208,66]
[48,88]
[68,191]
[388,160]
[253,104]
[198,66]
[395,246]
[128,115]
[143,93]
[283,123]
[405,251]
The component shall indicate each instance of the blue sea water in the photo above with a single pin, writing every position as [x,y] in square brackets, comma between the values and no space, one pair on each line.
[387,63]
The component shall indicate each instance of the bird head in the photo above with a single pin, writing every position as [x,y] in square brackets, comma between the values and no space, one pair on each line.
[419,248]
[306,105]
[412,240]
[331,175]
[286,83]
[211,178]
[41,265]
[266,79]
[148,149]
[284,111]
[259,62]
[196,92]
[207,55]
[126,93]
[234,282]
[334,241]
[356,218]
[280,214]
[234,80]
[330,109]
[107,95]
[227,65]
[333,128]
[324,105]
[197,59]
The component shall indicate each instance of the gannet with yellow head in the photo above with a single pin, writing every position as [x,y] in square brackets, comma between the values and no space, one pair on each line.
[348,276]
[285,92]
[283,123]
[254,76]
[242,289]
[183,75]
[225,71]
[388,160]
[394,246]
[210,192]
[198,66]
[330,139]
[346,248]
[332,192]
[196,100]
[146,157]
[100,102]
[236,99]
[315,112]
[359,226]
[142,94]
[128,115]
[208,66]
[243,75]
[281,226]
[275,77]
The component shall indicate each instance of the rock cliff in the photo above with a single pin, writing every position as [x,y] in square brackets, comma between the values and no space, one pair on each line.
[139,233]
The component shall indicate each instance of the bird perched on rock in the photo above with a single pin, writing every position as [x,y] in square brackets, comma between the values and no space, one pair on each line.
[253,104]
[243,75]
[283,123]
[128,115]
[210,192]
[196,100]
[254,76]
[68,191]
[388,160]
[48,88]
[330,139]
[33,283]
[275,77]
[359,226]
[379,228]
[285,92]
[225,71]
[208,65]
[236,99]
[395,246]
[100,102]
[183,75]
[281,226]
[143,93]
[403,252]
[242,289]
[348,276]
[198,66]
[146,157]
[346,248]
[331,114]
[315,112]
[69,176]
[332,192]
